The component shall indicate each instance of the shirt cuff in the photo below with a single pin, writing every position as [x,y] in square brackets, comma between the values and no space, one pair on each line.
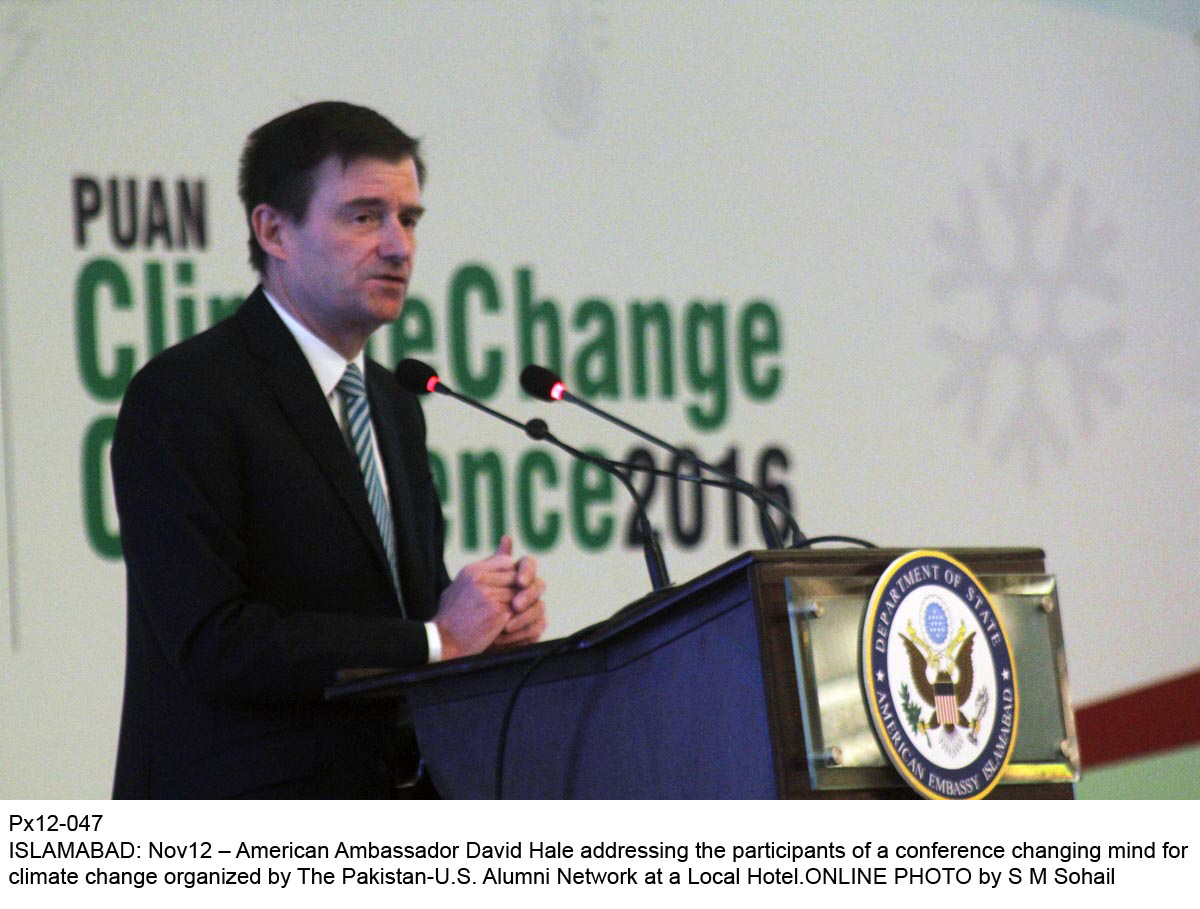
[435,642]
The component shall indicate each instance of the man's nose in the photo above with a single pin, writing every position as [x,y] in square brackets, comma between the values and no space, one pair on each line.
[396,240]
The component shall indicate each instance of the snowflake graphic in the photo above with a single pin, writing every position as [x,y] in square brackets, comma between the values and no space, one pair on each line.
[1048,314]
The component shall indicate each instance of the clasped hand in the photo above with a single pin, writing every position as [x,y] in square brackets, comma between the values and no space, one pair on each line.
[495,602]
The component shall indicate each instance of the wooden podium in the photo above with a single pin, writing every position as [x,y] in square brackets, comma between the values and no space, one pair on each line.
[697,691]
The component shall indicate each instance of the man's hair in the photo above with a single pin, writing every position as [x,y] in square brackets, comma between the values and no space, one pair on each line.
[280,159]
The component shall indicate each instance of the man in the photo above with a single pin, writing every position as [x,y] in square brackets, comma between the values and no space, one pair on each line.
[278,516]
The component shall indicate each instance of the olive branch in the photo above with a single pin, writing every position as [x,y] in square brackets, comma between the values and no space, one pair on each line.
[912,712]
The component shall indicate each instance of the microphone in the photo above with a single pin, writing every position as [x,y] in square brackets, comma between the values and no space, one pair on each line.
[421,379]
[416,376]
[543,384]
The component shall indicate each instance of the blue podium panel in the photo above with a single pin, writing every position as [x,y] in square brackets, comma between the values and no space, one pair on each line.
[669,708]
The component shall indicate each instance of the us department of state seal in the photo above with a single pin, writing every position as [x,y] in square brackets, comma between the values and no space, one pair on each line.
[938,674]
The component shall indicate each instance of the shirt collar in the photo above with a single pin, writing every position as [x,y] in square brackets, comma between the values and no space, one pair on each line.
[327,364]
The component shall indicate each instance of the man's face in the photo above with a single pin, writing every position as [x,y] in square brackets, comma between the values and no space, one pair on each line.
[345,269]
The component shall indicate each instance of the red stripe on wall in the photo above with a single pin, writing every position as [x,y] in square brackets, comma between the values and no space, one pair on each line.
[1159,717]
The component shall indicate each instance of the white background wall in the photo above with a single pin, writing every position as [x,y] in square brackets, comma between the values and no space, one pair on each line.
[976,221]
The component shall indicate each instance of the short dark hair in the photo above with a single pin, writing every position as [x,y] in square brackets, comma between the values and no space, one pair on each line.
[281,157]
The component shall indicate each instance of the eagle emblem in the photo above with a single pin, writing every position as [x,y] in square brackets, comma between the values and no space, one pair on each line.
[943,675]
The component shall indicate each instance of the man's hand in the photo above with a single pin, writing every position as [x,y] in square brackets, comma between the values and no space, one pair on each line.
[496,601]
[528,611]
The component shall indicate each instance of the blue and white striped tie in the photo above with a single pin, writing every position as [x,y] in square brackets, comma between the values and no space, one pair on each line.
[358,419]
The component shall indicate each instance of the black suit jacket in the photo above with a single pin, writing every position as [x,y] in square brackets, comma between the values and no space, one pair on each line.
[255,569]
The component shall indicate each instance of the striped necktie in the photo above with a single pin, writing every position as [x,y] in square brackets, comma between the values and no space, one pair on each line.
[358,420]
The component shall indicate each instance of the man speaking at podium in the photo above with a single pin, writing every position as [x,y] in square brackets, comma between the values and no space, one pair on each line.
[278,515]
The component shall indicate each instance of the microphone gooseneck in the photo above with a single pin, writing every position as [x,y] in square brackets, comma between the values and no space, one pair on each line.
[541,383]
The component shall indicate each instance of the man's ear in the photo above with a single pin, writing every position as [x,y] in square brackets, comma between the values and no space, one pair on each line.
[270,226]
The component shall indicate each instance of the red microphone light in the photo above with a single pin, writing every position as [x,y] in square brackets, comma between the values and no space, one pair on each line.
[556,391]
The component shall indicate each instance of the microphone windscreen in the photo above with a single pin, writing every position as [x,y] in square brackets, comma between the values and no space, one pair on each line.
[540,382]
[416,376]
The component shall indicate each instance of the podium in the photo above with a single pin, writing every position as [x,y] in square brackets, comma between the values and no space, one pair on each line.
[720,687]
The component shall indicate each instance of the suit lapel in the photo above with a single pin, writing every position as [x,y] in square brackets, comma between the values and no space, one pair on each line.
[285,371]
[395,448]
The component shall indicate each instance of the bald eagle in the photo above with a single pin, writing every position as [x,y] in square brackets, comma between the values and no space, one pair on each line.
[945,695]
